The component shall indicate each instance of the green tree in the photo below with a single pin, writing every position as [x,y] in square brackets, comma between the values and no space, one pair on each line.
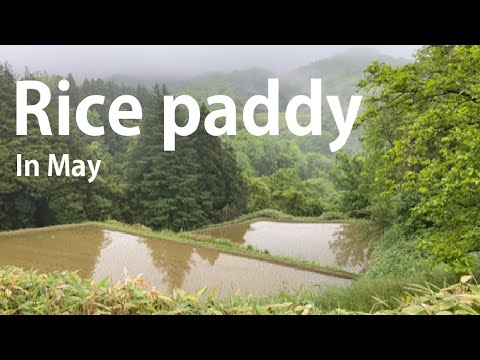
[348,178]
[422,132]
[198,183]
[259,194]
[39,201]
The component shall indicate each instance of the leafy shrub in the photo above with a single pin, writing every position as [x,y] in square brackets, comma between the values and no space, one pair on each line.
[459,299]
[266,213]
[332,215]
[395,255]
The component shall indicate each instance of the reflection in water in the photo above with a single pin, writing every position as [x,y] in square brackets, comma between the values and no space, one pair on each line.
[174,259]
[334,244]
[168,265]
[207,254]
[233,232]
[350,249]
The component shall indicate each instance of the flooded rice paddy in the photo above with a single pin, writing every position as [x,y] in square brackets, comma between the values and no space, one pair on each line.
[334,244]
[98,253]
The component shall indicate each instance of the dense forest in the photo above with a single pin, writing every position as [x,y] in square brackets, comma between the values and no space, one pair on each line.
[198,184]
[206,180]
[420,168]
[412,166]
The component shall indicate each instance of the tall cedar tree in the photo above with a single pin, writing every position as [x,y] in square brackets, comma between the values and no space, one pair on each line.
[196,184]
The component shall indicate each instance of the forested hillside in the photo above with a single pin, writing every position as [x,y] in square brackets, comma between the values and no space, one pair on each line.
[404,192]
[418,176]
[289,173]
[206,180]
[198,184]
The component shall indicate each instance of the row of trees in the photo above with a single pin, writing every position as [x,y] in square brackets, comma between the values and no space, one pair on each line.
[138,182]
[198,183]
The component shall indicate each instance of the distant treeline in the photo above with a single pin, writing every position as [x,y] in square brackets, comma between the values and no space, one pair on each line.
[198,184]
[205,180]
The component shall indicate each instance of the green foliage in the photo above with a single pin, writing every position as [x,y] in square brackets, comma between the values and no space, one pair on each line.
[32,293]
[332,215]
[39,201]
[314,166]
[369,295]
[263,214]
[348,179]
[260,194]
[459,299]
[421,132]
[220,179]
[395,255]
[198,183]
[284,185]
[263,156]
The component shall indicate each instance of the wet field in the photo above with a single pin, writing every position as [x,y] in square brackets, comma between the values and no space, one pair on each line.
[98,253]
[334,244]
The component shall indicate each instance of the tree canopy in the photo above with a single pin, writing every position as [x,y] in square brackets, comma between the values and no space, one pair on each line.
[422,138]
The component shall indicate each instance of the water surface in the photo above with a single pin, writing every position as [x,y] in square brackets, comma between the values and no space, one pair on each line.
[168,265]
[335,244]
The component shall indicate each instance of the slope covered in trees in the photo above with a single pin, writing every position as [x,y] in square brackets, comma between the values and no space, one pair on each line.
[420,169]
[199,183]
[206,180]
[294,174]
[39,201]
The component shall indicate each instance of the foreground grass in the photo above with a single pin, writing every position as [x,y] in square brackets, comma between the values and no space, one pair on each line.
[459,299]
[29,292]
[227,247]
[369,295]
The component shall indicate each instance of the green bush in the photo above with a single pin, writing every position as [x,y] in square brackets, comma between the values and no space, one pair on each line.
[266,213]
[367,294]
[395,255]
[459,299]
[332,215]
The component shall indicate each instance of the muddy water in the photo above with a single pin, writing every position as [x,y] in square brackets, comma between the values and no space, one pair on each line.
[334,244]
[100,253]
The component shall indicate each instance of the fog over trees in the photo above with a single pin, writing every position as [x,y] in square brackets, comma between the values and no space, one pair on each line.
[177,61]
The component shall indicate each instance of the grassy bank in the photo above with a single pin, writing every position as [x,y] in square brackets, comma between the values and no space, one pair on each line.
[275,215]
[227,247]
[29,292]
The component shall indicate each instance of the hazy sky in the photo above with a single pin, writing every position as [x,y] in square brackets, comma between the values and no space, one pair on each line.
[102,60]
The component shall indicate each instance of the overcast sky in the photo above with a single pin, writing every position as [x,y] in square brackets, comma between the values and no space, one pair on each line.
[102,60]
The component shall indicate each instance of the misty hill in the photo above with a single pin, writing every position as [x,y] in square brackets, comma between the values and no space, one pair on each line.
[340,73]
[149,80]
[240,85]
